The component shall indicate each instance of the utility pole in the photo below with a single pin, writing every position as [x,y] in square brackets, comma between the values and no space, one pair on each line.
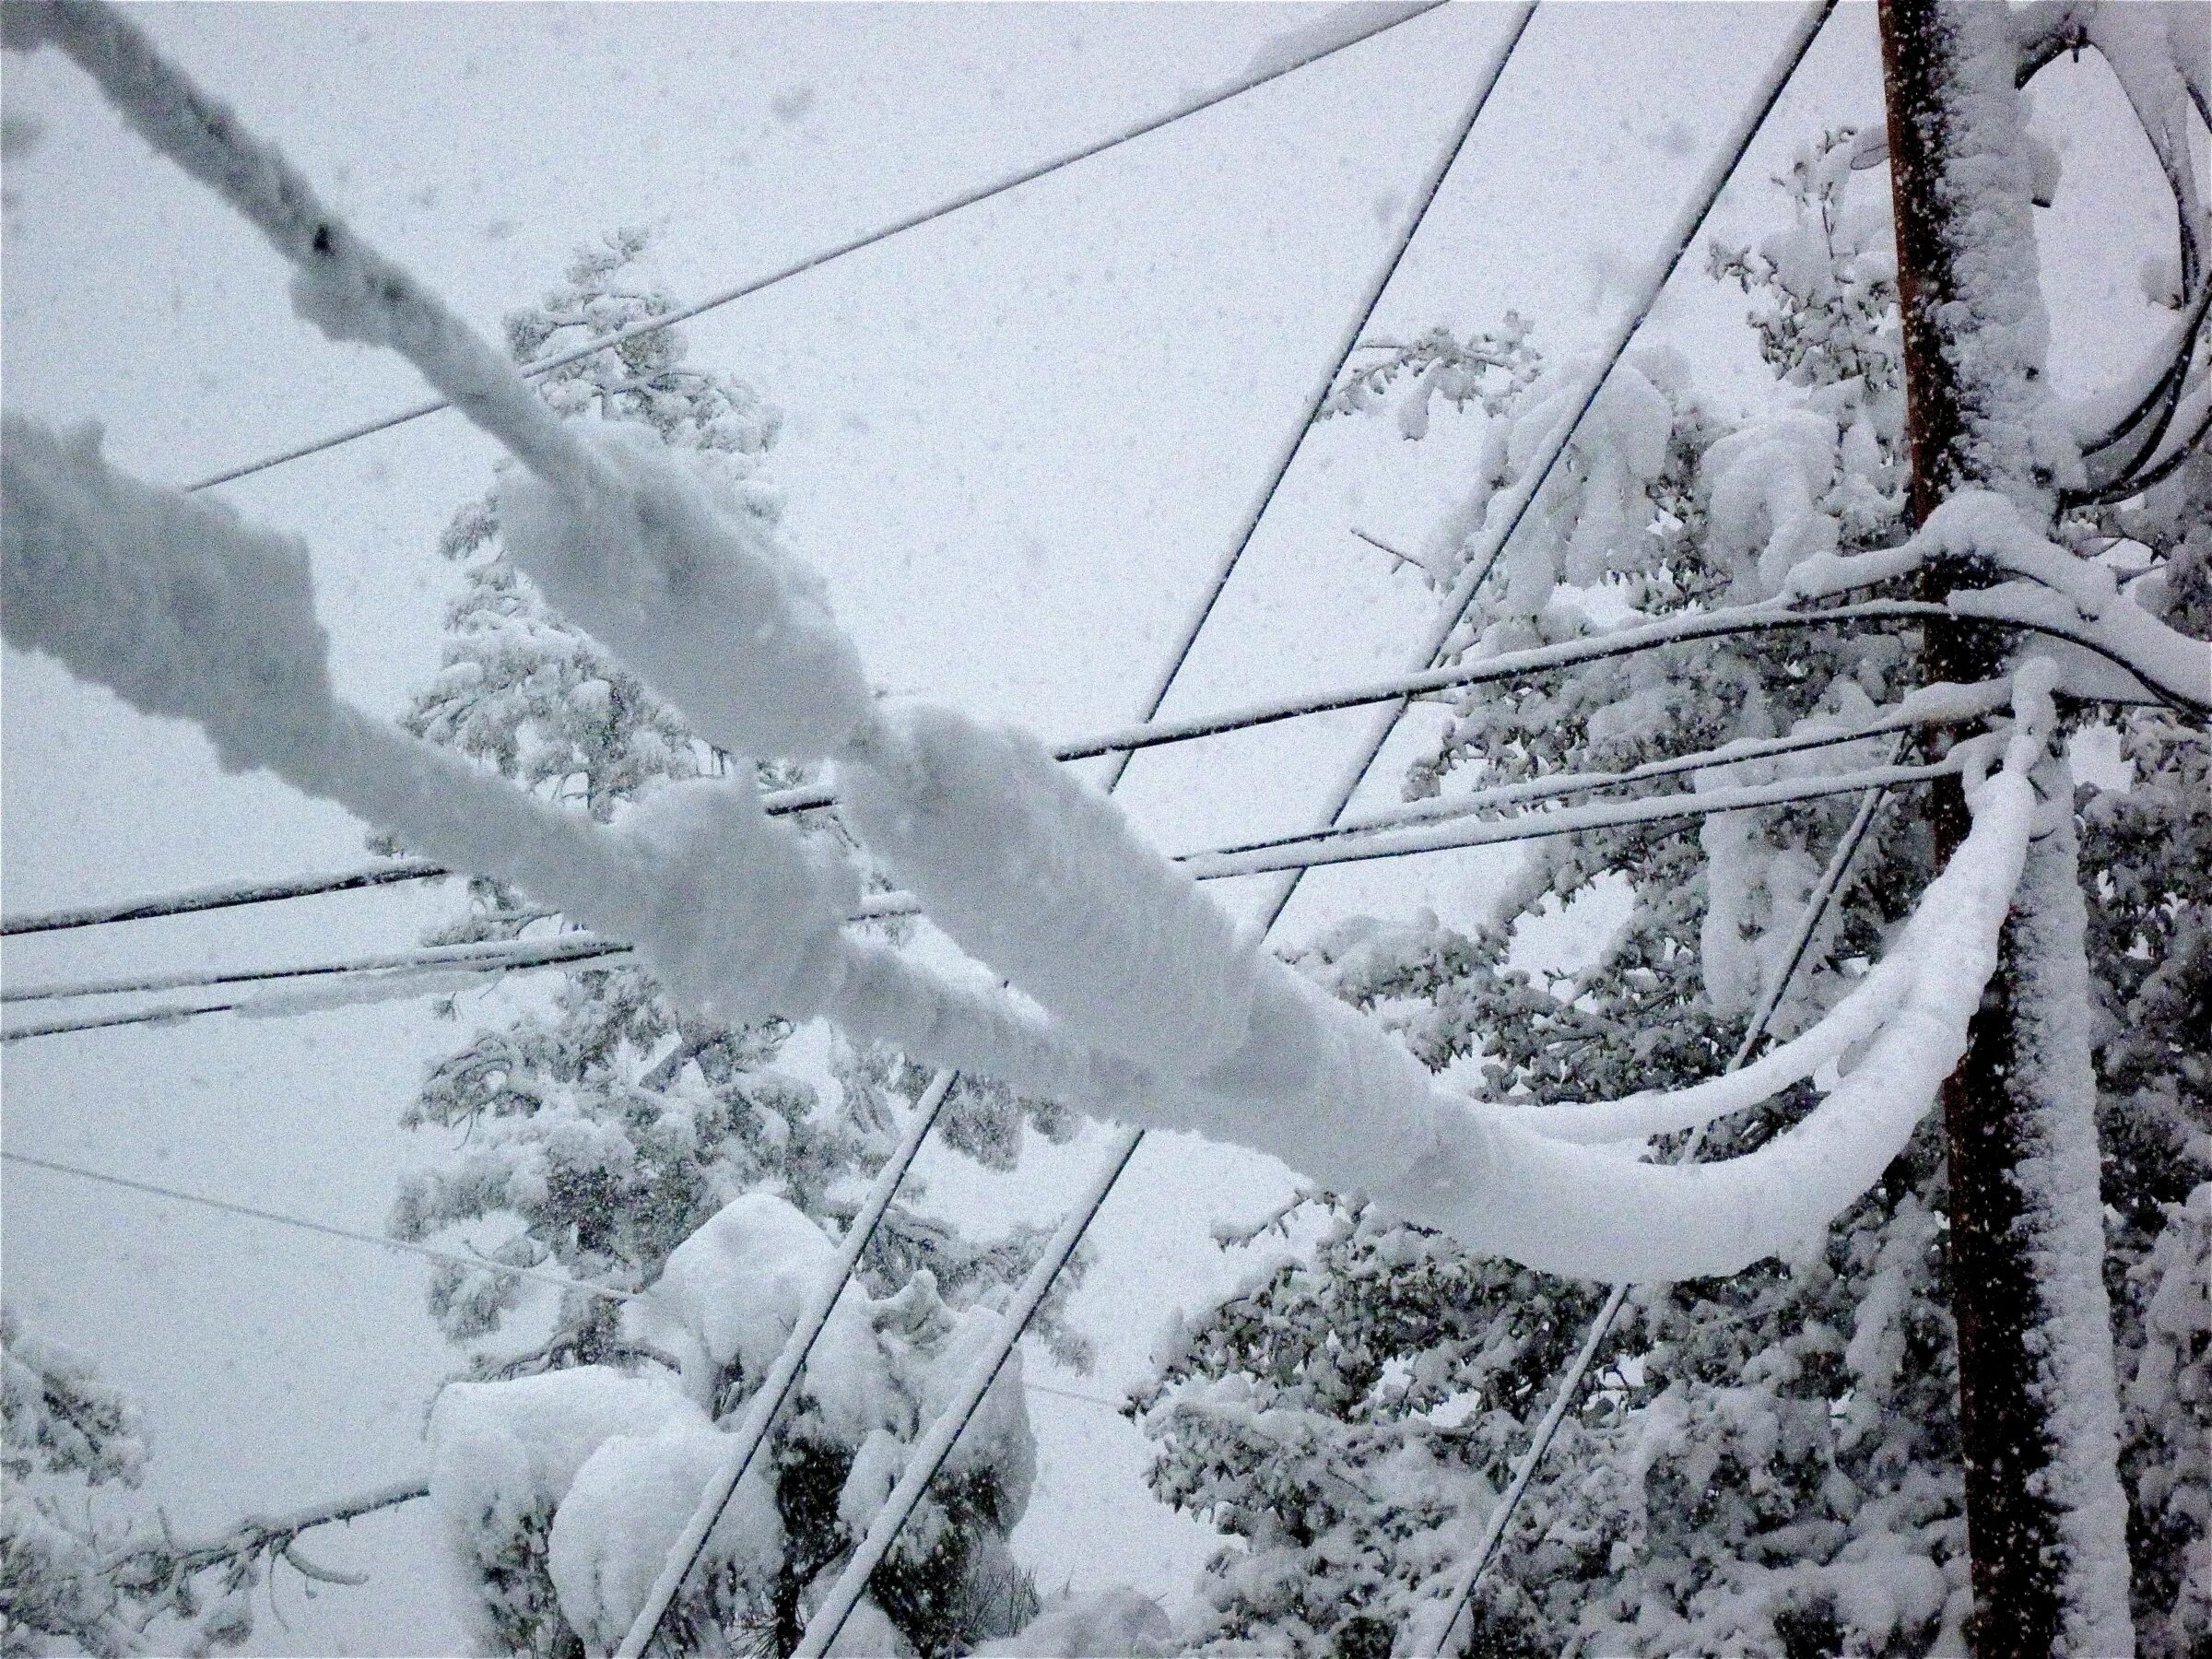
[2018,1113]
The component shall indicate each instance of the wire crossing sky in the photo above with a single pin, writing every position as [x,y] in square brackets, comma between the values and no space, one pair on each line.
[1389,16]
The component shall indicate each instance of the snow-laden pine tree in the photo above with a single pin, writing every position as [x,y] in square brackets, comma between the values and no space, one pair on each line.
[599,1129]
[86,1563]
[1766,1462]
[67,1443]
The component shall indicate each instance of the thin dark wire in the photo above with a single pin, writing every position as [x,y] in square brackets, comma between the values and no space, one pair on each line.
[220,898]
[2125,488]
[449,1257]
[815,261]
[502,954]
[1405,687]
[1320,394]
[407,1490]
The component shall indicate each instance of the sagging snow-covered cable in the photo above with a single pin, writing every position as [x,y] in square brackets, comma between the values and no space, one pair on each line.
[185,610]
[1434,1626]
[1189,1021]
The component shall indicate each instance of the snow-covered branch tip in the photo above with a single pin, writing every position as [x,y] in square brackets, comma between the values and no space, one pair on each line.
[147,1566]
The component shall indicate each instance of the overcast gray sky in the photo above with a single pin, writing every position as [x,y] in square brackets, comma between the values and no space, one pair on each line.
[1018,440]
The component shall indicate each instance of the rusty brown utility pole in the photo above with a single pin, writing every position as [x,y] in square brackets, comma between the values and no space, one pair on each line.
[2014,1531]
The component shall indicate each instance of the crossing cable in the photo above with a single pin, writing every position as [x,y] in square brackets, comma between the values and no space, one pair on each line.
[1393,15]
[1679,629]
[683,1557]
[1395,833]
[830,1618]
[1502,1512]
[1346,344]
[1353,844]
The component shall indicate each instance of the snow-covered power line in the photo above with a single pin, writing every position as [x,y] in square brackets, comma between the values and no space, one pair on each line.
[1539,826]
[1387,16]
[1456,1599]
[1963,704]
[220,895]
[1682,628]
[1388,835]
[502,954]
[626,880]
[475,1264]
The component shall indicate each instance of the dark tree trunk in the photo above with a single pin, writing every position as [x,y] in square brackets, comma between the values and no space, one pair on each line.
[1997,1113]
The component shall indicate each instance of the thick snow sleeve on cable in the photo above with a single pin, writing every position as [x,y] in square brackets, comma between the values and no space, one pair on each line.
[1851,1021]
[1040,877]
[1594,1213]
[1330,1093]
[117,580]
[186,609]
[675,579]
